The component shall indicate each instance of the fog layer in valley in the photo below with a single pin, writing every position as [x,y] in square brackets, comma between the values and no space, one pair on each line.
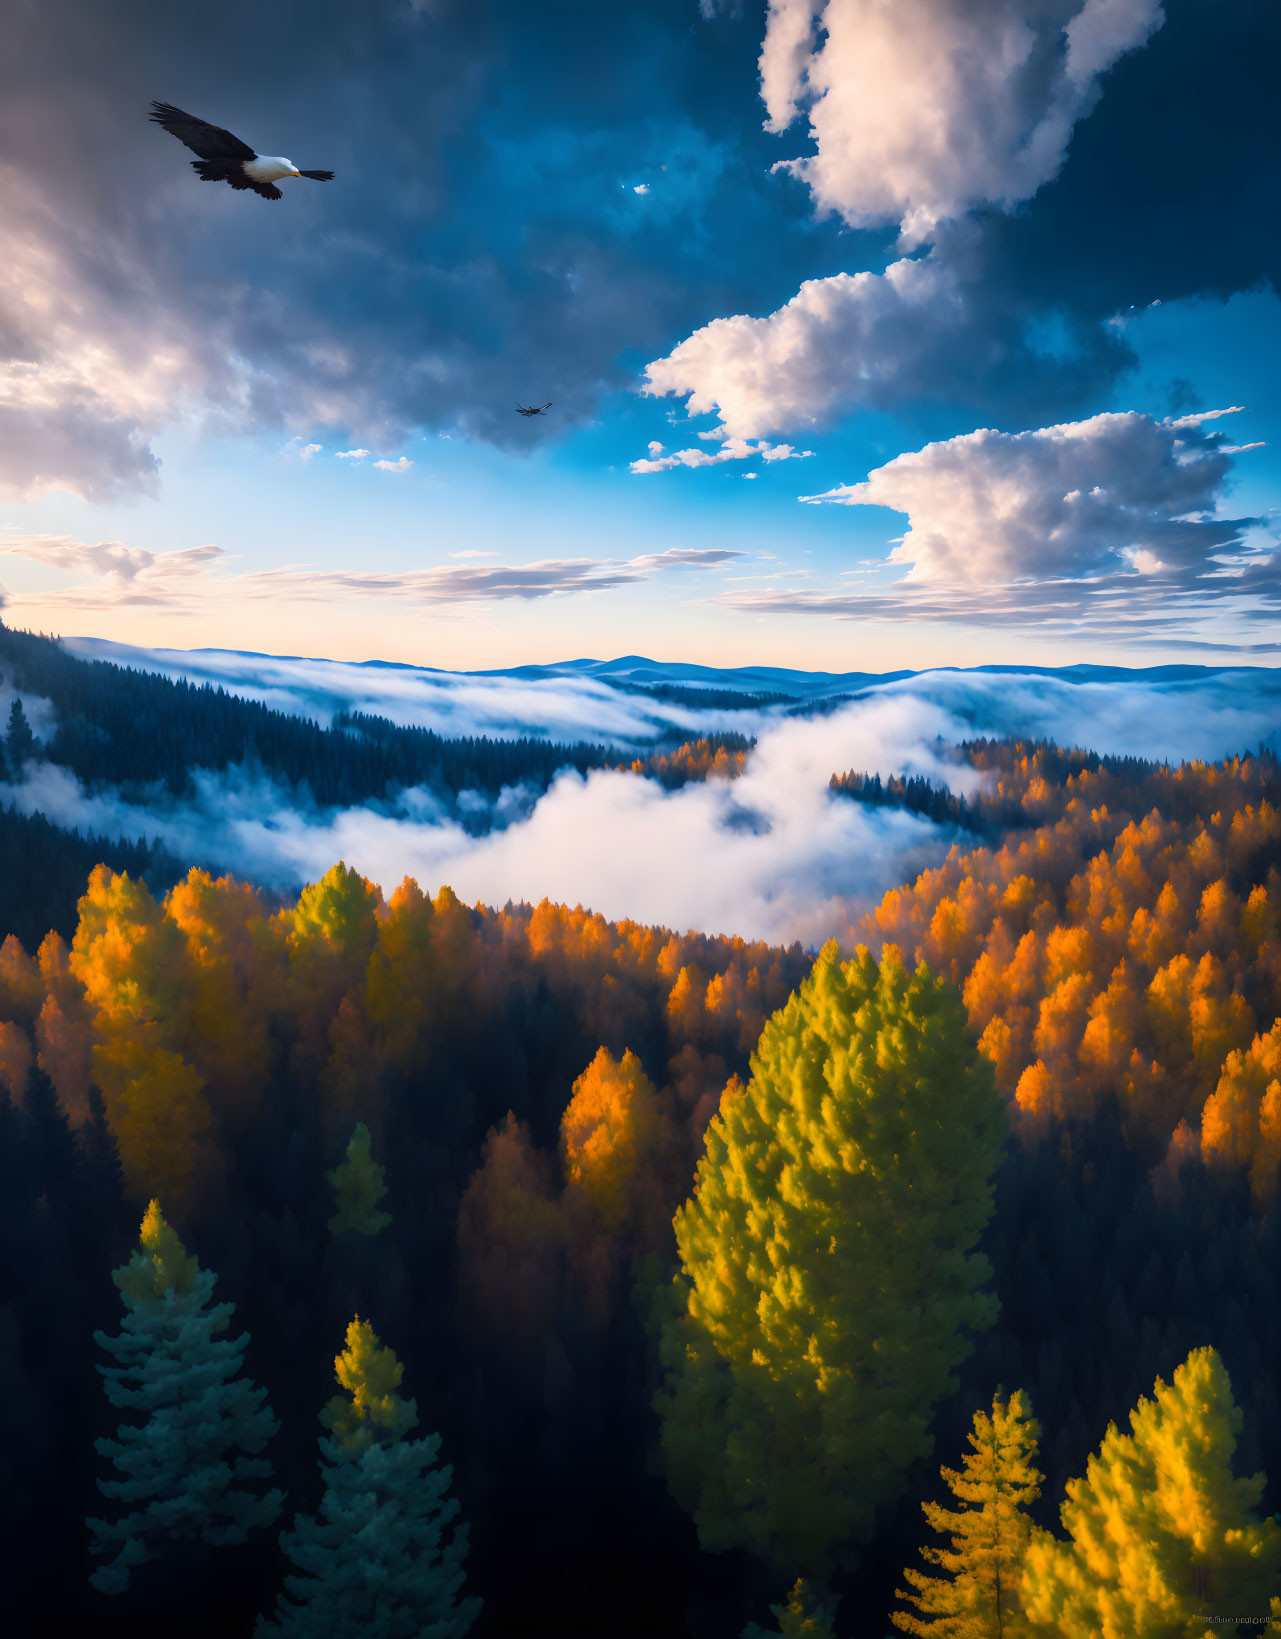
[771,855]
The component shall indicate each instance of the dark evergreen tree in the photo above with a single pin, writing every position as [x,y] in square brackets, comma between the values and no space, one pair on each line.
[50,1140]
[806,1615]
[359,1185]
[21,743]
[19,1197]
[191,1467]
[383,1557]
[98,1183]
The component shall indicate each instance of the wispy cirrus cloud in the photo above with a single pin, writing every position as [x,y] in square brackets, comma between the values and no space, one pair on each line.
[186,580]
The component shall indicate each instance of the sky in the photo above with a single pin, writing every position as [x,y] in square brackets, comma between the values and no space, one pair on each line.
[875,336]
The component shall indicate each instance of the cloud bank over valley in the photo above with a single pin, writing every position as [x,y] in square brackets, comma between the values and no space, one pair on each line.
[773,854]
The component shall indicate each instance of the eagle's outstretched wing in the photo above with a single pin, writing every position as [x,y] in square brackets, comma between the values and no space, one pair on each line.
[209,141]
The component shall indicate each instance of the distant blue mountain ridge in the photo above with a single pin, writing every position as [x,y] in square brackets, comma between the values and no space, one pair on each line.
[1168,712]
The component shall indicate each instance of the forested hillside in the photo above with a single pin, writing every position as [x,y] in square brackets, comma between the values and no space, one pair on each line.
[700,1256]
[130,729]
[144,738]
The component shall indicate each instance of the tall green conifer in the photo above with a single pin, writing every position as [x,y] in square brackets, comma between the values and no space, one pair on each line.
[190,1466]
[359,1185]
[828,1274]
[977,1597]
[377,1561]
[20,740]
[1160,1530]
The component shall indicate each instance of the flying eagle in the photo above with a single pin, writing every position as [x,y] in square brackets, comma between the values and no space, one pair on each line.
[532,409]
[224,158]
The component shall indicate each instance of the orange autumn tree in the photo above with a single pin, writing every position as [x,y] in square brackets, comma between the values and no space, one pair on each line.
[510,1236]
[1241,1121]
[616,1143]
[235,976]
[1123,947]
[131,961]
[423,955]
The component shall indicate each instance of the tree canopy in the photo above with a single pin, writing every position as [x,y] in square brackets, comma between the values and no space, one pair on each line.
[829,1275]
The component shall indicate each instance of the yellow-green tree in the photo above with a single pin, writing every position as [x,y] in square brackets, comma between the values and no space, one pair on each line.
[829,1278]
[1161,1534]
[977,1596]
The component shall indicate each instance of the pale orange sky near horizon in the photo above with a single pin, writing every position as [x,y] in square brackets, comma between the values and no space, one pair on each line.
[550,630]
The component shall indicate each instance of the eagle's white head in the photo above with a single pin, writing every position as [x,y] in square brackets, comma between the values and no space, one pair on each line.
[270,168]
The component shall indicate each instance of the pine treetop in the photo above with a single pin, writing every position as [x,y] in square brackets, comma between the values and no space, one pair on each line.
[160,1263]
[358,1183]
[1161,1531]
[371,1374]
[977,1593]
[187,1462]
[382,1558]
[806,1615]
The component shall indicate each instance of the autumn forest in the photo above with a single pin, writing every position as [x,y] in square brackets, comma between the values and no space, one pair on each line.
[375,1262]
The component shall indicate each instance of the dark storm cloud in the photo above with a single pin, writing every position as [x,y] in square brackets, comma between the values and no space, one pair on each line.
[533,201]
[1174,182]
[485,239]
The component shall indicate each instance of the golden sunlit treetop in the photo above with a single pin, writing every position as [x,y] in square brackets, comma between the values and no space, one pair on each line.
[161,1262]
[371,1375]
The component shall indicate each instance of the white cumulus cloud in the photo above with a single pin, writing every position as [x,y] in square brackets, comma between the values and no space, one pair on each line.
[861,338]
[921,110]
[731,449]
[403,465]
[1080,499]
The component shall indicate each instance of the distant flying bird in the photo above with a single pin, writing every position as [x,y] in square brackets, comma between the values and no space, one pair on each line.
[534,409]
[224,158]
